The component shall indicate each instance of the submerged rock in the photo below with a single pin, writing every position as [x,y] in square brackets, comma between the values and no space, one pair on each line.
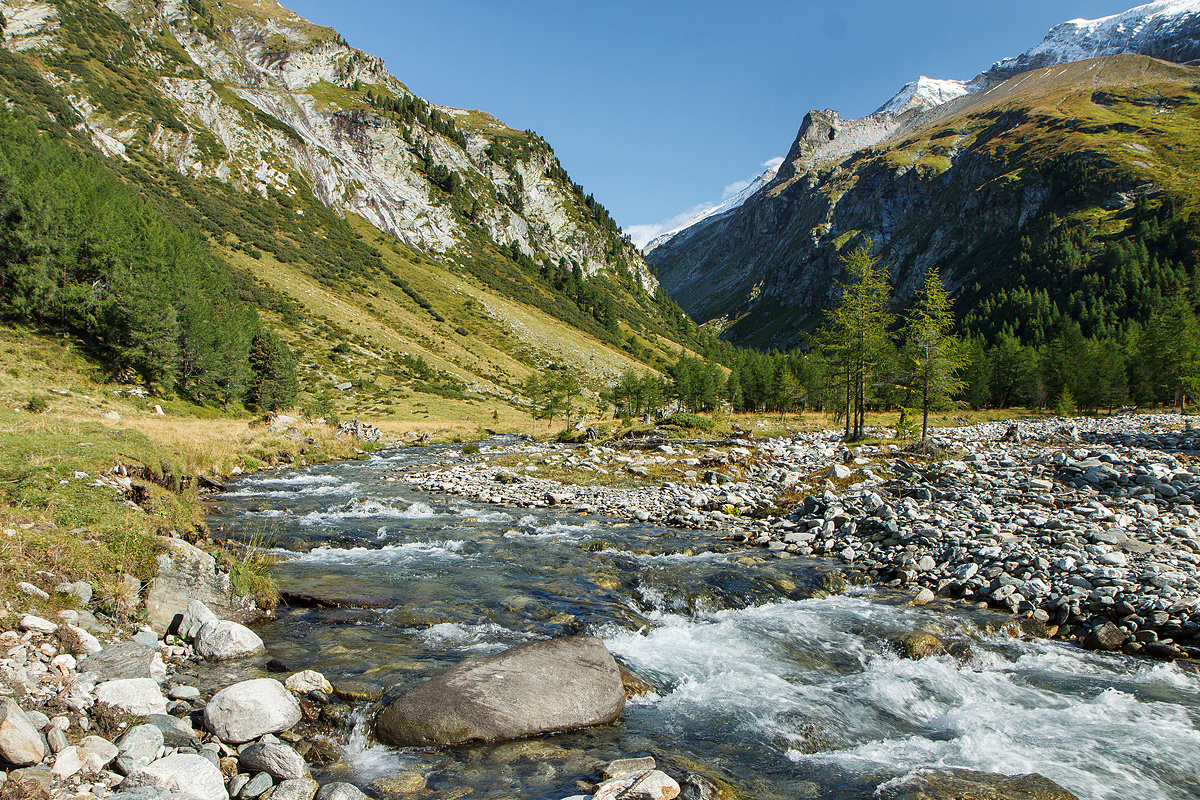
[962,784]
[541,687]
[918,644]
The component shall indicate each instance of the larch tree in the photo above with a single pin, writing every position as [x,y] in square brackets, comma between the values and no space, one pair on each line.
[935,356]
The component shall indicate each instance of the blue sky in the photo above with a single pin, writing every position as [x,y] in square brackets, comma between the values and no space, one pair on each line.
[660,106]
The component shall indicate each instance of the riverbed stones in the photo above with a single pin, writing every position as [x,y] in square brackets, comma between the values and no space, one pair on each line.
[137,747]
[961,784]
[1105,637]
[187,573]
[642,785]
[190,774]
[20,742]
[399,784]
[225,640]
[307,681]
[193,619]
[295,789]
[918,645]
[340,791]
[541,687]
[275,758]
[126,660]
[250,709]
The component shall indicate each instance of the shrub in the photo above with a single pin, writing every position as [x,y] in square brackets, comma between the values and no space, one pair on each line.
[471,449]
[37,404]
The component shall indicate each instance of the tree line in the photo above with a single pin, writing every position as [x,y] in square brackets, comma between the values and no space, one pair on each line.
[81,252]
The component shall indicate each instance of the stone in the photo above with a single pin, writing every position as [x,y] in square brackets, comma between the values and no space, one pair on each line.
[954,784]
[140,697]
[112,416]
[649,785]
[554,685]
[925,595]
[308,681]
[281,761]
[193,620]
[80,590]
[917,645]
[126,660]
[187,573]
[340,791]
[257,785]
[176,732]
[20,742]
[622,766]
[88,645]
[67,763]
[137,747]
[32,622]
[226,640]
[838,472]
[249,709]
[401,783]
[97,752]
[295,789]
[183,772]
[57,740]
[1105,637]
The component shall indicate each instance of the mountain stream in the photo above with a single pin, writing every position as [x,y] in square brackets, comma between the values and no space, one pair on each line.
[758,678]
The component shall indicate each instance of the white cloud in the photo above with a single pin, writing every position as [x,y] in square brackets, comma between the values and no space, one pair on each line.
[774,163]
[734,188]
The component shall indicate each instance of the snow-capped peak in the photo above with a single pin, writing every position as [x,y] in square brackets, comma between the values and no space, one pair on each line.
[924,93]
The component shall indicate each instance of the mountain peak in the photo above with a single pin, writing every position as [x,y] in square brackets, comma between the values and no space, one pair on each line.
[923,93]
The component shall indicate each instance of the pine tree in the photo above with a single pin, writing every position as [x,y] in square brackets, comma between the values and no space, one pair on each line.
[273,383]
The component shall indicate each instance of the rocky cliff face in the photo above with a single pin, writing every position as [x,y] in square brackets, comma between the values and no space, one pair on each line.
[767,269]
[954,190]
[248,93]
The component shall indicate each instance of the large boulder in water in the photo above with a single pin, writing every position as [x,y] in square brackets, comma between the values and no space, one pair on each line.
[541,687]
[964,784]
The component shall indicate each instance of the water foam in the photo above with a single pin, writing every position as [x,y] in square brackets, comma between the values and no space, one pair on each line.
[390,554]
[368,509]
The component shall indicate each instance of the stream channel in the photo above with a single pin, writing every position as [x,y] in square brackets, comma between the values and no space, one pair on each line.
[783,694]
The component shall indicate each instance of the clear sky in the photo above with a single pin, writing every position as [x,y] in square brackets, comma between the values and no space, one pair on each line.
[659,106]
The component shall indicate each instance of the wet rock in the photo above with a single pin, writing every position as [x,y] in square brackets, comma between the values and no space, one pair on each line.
[296,789]
[307,681]
[622,766]
[645,785]
[140,697]
[961,784]
[192,775]
[340,791]
[400,784]
[226,640]
[20,742]
[917,645]
[555,685]
[275,758]
[249,709]
[1105,637]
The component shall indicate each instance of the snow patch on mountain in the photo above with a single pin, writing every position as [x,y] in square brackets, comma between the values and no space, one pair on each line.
[924,93]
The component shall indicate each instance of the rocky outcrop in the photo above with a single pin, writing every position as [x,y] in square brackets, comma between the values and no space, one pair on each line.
[536,688]
[187,573]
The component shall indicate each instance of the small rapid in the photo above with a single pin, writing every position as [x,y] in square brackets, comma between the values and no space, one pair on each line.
[754,674]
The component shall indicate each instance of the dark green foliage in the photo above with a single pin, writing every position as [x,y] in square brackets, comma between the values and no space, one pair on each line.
[273,383]
[407,109]
[80,252]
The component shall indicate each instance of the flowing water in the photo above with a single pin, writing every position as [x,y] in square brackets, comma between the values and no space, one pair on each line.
[779,692]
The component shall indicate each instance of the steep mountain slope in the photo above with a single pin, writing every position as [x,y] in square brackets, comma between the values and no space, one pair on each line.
[1048,151]
[369,218]
[698,264]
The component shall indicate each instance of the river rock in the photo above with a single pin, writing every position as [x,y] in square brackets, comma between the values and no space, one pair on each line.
[295,789]
[20,743]
[97,752]
[137,747]
[140,697]
[917,644]
[225,640]
[962,784]
[194,618]
[124,661]
[647,785]
[249,709]
[308,681]
[187,573]
[340,791]
[32,622]
[68,762]
[540,687]
[176,732]
[400,784]
[276,758]
[254,787]
[190,774]
[1105,637]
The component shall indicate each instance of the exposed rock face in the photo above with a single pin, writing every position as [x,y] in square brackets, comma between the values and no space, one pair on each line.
[187,573]
[541,687]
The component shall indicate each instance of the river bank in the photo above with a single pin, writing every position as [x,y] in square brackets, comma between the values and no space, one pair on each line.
[1088,527]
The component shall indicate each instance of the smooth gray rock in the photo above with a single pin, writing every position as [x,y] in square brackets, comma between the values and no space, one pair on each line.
[176,732]
[296,789]
[249,709]
[57,740]
[276,758]
[541,687]
[137,747]
[225,640]
[124,661]
[189,774]
[340,791]
[20,742]
[194,618]
[138,696]
[256,785]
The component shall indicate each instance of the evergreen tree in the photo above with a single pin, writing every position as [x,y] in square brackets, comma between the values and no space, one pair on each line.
[273,383]
[935,356]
